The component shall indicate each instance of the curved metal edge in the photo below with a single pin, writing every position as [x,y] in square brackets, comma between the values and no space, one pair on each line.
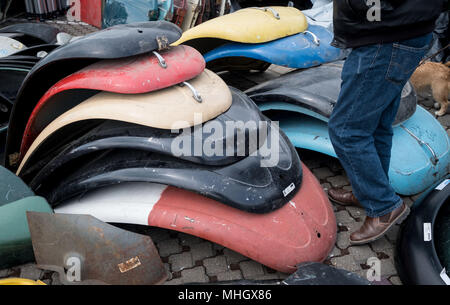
[416,259]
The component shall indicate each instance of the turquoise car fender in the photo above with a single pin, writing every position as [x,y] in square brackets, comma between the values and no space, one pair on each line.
[420,151]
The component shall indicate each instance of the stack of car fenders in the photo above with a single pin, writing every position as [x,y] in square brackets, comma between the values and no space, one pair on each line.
[254,38]
[120,125]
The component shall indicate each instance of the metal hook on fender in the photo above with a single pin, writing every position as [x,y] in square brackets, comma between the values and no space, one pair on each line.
[273,11]
[161,60]
[195,94]
[434,159]
[316,39]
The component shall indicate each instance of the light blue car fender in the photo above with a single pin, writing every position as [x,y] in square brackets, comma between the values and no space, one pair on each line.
[420,151]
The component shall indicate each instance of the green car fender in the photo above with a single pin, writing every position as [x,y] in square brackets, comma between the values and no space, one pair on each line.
[15,239]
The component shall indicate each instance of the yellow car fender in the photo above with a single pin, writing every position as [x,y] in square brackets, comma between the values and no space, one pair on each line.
[250,25]
[20,281]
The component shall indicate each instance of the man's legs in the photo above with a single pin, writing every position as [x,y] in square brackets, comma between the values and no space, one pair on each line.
[360,126]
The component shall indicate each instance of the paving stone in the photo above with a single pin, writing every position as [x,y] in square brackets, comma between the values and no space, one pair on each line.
[168,247]
[230,275]
[233,257]
[6,272]
[55,279]
[312,163]
[283,276]
[322,173]
[178,281]
[355,212]
[383,282]
[389,252]
[345,262]
[348,188]
[30,272]
[181,261]
[342,240]
[189,240]
[338,181]
[381,244]
[387,268]
[333,164]
[194,275]
[361,253]
[251,269]
[395,280]
[336,252]
[444,120]
[169,274]
[427,102]
[326,186]
[266,277]
[215,265]
[343,217]
[201,251]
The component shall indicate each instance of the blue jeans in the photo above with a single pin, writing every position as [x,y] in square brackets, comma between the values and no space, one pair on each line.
[360,126]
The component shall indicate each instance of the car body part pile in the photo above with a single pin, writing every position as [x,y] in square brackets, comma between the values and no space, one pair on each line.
[100,138]
[423,246]
[303,101]
[273,35]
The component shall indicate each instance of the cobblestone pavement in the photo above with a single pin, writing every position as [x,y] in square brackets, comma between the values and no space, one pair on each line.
[190,259]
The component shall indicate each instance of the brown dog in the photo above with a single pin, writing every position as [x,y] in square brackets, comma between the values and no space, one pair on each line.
[437,77]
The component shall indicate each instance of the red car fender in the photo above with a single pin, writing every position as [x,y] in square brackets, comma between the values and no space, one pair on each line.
[132,75]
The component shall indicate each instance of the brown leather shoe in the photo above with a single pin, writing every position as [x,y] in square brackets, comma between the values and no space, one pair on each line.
[374,228]
[343,197]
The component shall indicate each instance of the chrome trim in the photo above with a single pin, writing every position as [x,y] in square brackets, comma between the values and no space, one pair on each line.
[195,94]
[435,159]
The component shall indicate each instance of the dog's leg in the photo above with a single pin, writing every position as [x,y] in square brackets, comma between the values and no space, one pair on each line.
[440,95]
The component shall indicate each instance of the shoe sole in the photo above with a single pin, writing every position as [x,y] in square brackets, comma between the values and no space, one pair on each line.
[400,218]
